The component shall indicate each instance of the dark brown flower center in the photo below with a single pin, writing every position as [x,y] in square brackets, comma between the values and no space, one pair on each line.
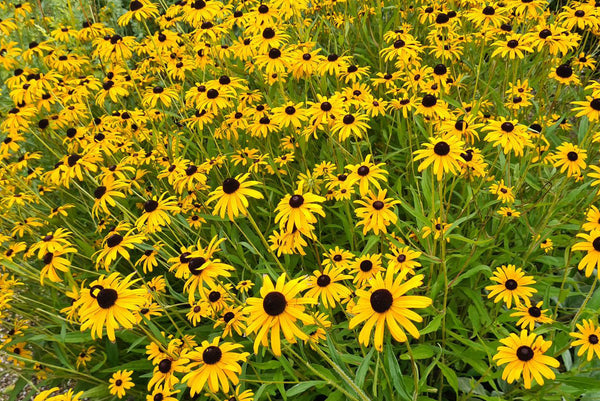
[511,284]
[106,297]
[366,265]
[195,264]
[429,101]
[564,71]
[164,366]
[230,185]
[534,311]
[212,355]
[150,206]
[114,240]
[507,126]
[274,303]
[296,201]
[441,148]
[381,300]
[228,316]
[323,280]
[525,353]
[596,244]
[363,171]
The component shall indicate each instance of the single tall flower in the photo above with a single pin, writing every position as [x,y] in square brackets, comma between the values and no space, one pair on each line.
[376,212]
[215,364]
[277,310]
[512,285]
[588,338]
[592,246]
[385,304]
[120,382]
[443,152]
[232,195]
[525,354]
[109,302]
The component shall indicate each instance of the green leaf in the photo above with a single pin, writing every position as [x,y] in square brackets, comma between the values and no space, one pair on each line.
[433,326]
[395,373]
[450,376]
[362,370]
[302,387]
[420,352]
[582,383]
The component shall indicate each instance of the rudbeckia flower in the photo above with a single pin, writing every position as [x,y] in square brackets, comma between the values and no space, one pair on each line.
[214,364]
[524,355]
[443,153]
[277,311]
[513,284]
[120,382]
[232,195]
[109,302]
[591,245]
[385,304]
[588,338]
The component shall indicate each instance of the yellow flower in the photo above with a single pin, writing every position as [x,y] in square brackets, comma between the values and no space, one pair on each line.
[525,355]
[385,305]
[120,382]
[214,364]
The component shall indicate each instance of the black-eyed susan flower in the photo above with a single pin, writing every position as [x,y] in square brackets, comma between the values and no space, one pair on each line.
[156,213]
[232,319]
[403,258]
[109,302]
[338,257]
[297,211]
[351,124]
[366,174]
[166,364]
[513,285]
[54,261]
[513,46]
[325,286]
[524,355]
[203,268]
[240,395]
[591,245]
[232,195]
[437,229]
[139,10]
[529,314]
[593,219]
[589,108]
[365,267]
[197,311]
[163,394]
[120,382]
[509,134]
[503,192]
[385,304]
[376,212]
[588,338]
[443,152]
[214,363]
[277,310]
[570,158]
[508,212]
[115,244]
[85,356]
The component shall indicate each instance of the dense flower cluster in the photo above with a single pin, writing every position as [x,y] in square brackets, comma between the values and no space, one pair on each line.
[247,200]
